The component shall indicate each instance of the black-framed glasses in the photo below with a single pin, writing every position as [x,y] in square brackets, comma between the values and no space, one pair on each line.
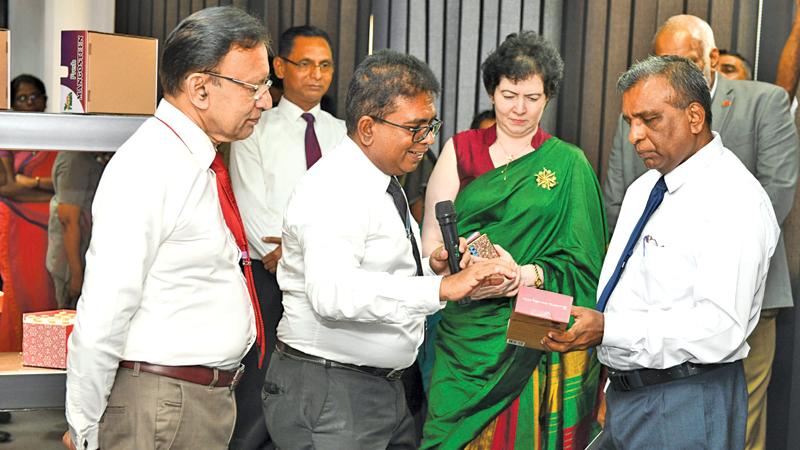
[305,65]
[418,134]
[23,98]
[258,89]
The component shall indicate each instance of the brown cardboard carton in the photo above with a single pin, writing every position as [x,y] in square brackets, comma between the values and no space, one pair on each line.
[108,73]
[5,74]
[536,313]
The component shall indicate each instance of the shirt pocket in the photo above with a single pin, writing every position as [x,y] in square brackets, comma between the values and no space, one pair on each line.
[667,271]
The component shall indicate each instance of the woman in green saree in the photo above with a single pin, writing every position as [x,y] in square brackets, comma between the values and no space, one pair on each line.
[538,198]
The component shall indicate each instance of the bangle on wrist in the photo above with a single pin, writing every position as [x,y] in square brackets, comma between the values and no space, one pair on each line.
[539,280]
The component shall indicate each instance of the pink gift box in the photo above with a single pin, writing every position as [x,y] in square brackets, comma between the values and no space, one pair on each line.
[536,313]
[44,338]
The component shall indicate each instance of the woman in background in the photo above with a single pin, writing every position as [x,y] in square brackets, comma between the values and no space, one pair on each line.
[538,198]
[25,190]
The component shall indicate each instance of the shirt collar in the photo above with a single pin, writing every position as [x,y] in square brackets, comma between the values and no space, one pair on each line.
[370,175]
[293,112]
[196,140]
[695,165]
[714,86]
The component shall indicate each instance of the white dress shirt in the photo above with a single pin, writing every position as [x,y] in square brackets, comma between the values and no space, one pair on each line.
[350,293]
[163,283]
[692,289]
[266,166]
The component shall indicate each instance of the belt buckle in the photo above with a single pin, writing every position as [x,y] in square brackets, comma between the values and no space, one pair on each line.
[624,383]
[237,377]
[395,374]
[620,381]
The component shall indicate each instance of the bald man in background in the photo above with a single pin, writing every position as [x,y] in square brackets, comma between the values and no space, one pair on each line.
[754,122]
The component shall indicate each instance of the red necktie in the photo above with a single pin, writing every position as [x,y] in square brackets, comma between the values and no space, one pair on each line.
[313,151]
[234,221]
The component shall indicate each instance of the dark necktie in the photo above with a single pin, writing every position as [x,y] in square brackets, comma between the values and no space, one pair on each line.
[230,211]
[396,191]
[656,196]
[313,151]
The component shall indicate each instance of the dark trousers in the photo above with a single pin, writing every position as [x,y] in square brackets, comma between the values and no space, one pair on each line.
[310,406]
[251,431]
[706,411]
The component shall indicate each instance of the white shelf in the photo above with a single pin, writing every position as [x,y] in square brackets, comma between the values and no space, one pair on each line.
[75,132]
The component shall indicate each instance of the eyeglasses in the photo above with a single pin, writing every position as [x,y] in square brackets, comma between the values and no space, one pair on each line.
[29,98]
[258,89]
[418,134]
[306,65]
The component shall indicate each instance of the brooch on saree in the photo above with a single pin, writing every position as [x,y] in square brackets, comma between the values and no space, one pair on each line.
[546,179]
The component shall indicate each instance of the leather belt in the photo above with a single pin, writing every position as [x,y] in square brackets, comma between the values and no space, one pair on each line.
[389,374]
[206,376]
[628,380]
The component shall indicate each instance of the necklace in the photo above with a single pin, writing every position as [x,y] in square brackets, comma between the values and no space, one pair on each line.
[510,156]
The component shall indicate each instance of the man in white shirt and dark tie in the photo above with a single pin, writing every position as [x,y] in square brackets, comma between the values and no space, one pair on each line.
[265,167]
[356,292]
[683,281]
[167,313]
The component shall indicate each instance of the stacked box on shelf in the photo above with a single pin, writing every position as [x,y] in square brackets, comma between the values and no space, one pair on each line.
[44,338]
[108,73]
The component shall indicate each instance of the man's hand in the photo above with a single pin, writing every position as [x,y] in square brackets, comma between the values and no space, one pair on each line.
[271,259]
[75,286]
[464,283]
[586,331]
[438,259]
[507,287]
[67,441]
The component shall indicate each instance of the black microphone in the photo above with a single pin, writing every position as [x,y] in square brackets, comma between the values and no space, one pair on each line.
[446,215]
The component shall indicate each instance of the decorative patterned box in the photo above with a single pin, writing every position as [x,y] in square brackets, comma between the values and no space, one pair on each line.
[44,338]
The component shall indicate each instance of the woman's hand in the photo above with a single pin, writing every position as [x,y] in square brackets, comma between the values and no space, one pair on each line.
[26,181]
[508,287]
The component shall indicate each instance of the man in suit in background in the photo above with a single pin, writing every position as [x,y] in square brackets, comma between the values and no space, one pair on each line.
[754,122]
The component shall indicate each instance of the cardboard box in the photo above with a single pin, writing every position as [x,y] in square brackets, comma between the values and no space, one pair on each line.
[44,338]
[108,73]
[5,70]
[536,313]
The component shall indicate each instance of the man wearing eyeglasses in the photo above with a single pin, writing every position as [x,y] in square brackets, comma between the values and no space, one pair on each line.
[168,308]
[356,292]
[264,169]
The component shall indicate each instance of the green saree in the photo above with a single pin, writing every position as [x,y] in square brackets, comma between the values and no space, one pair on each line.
[544,208]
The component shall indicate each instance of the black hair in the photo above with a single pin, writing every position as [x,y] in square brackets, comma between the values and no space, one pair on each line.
[380,79]
[286,41]
[201,41]
[521,56]
[26,78]
[480,117]
[685,78]
[747,66]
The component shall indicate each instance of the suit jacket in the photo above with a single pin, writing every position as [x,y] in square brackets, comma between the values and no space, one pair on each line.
[754,122]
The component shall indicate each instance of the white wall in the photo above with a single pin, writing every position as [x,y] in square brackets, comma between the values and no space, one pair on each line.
[36,27]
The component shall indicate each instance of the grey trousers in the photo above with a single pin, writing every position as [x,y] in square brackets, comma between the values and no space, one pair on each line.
[147,411]
[707,411]
[309,406]
[251,432]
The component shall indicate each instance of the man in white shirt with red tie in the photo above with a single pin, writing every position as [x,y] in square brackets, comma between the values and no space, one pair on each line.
[167,313]
[683,281]
[265,168]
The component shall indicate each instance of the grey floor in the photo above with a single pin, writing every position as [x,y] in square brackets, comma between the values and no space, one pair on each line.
[35,430]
